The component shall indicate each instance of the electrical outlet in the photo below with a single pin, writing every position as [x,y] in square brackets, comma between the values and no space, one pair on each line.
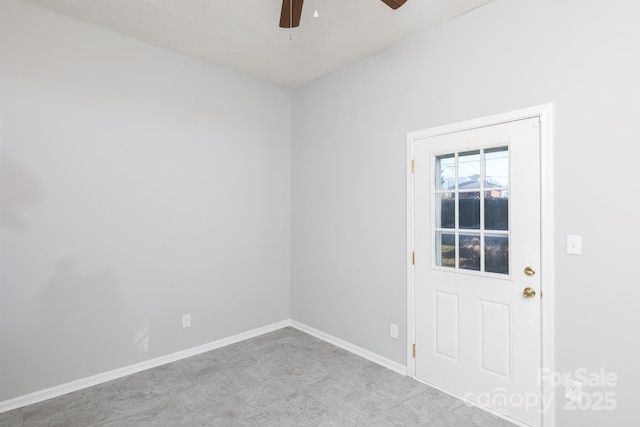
[573,390]
[186,321]
[393,331]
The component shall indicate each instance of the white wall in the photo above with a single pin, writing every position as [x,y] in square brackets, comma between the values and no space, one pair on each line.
[137,185]
[348,175]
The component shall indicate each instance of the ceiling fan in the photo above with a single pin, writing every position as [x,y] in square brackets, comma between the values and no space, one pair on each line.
[292,10]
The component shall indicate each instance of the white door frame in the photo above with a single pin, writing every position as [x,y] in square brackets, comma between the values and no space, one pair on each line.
[546,226]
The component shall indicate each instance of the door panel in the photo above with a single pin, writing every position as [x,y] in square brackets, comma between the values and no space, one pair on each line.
[495,338]
[447,325]
[477,227]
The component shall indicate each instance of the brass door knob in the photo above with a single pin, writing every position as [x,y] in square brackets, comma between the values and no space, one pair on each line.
[529,292]
[529,271]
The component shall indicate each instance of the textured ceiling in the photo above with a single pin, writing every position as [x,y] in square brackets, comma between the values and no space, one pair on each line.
[244,35]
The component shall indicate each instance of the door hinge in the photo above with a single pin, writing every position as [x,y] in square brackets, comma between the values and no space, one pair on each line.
[413,258]
[414,351]
[413,166]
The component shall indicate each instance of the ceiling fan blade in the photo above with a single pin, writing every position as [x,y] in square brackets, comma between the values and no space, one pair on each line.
[394,4]
[289,18]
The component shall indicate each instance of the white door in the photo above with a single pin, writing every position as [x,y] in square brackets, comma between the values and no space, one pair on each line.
[477,259]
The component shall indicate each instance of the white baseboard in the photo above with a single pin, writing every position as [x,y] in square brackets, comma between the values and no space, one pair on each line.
[366,354]
[59,390]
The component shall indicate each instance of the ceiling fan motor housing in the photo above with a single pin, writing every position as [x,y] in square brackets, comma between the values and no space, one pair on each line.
[292,11]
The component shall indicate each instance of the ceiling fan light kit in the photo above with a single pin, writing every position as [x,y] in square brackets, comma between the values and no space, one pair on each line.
[292,11]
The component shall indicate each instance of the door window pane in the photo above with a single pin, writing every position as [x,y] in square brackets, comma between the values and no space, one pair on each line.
[496,254]
[496,165]
[469,170]
[446,249]
[469,210]
[445,210]
[470,252]
[496,210]
[446,172]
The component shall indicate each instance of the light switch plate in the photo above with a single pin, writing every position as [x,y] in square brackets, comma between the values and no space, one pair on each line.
[574,245]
